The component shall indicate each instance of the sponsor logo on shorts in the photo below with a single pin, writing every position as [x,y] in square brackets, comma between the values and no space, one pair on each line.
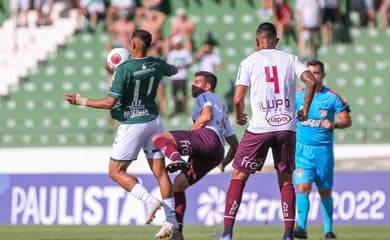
[253,164]
[185,147]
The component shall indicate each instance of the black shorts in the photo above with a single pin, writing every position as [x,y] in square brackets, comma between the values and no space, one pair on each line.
[179,86]
[330,15]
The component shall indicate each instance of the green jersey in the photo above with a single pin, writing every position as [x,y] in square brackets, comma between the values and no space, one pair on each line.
[134,85]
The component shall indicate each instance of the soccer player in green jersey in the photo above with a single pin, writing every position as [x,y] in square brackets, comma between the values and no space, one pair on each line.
[131,99]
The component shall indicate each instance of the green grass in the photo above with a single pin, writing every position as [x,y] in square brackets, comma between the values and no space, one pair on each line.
[363,232]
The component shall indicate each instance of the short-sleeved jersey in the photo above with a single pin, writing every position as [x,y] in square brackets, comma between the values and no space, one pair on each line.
[178,58]
[271,76]
[220,122]
[134,84]
[325,105]
[209,62]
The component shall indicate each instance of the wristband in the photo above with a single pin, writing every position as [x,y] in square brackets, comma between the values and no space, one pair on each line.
[81,100]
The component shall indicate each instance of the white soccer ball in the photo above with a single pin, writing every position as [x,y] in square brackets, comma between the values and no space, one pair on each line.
[116,57]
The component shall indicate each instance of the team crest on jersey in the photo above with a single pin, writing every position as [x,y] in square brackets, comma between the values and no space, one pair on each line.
[299,172]
[323,112]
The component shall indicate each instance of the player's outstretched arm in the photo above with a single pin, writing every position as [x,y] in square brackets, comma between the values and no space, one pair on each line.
[308,79]
[104,103]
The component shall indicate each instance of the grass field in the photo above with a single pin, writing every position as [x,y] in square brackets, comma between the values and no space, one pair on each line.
[362,232]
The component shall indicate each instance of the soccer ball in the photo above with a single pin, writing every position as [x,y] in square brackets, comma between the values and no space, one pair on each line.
[116,57]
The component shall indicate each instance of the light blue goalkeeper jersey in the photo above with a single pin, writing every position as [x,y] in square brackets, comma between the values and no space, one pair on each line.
[325,105]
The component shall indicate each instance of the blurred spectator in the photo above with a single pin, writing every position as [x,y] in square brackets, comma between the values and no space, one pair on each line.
[43,18]
[185,27]
[122,30]
[209,60]
[369,9]
[79,16]
[150,22]
[266,11]
[20,8]
[284,21]
[366,10]
[309,19]
[384,9]
[119,6]
[181,58]
[331,16]
[156,10]
[92,10]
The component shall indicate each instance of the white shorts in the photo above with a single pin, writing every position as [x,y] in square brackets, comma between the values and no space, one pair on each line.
[40,3]
[94,6]
[19,5]
[130,138]
[123,3]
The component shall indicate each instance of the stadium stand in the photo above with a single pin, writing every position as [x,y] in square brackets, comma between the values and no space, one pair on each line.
[34,113]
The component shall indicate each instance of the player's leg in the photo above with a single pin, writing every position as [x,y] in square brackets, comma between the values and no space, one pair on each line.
[117,171]
[233,201]
[128,142]
[249,158]
[170,225]
[304,175]
[327,212]
[157,165]
[303,207]
[167,144]
[283,150]
[324,182]
[180,184]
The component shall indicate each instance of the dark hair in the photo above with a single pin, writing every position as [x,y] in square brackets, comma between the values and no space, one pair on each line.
[209,77]
[268,29]
[315,62]
[145,36]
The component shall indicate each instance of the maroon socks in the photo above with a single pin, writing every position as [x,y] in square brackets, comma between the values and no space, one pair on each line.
[167,148]
[288,208]
[233,201]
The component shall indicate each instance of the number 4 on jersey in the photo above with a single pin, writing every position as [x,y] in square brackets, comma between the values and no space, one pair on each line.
[274,77]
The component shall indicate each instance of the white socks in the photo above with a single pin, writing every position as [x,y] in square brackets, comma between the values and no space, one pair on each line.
[169,209]
[139,192]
